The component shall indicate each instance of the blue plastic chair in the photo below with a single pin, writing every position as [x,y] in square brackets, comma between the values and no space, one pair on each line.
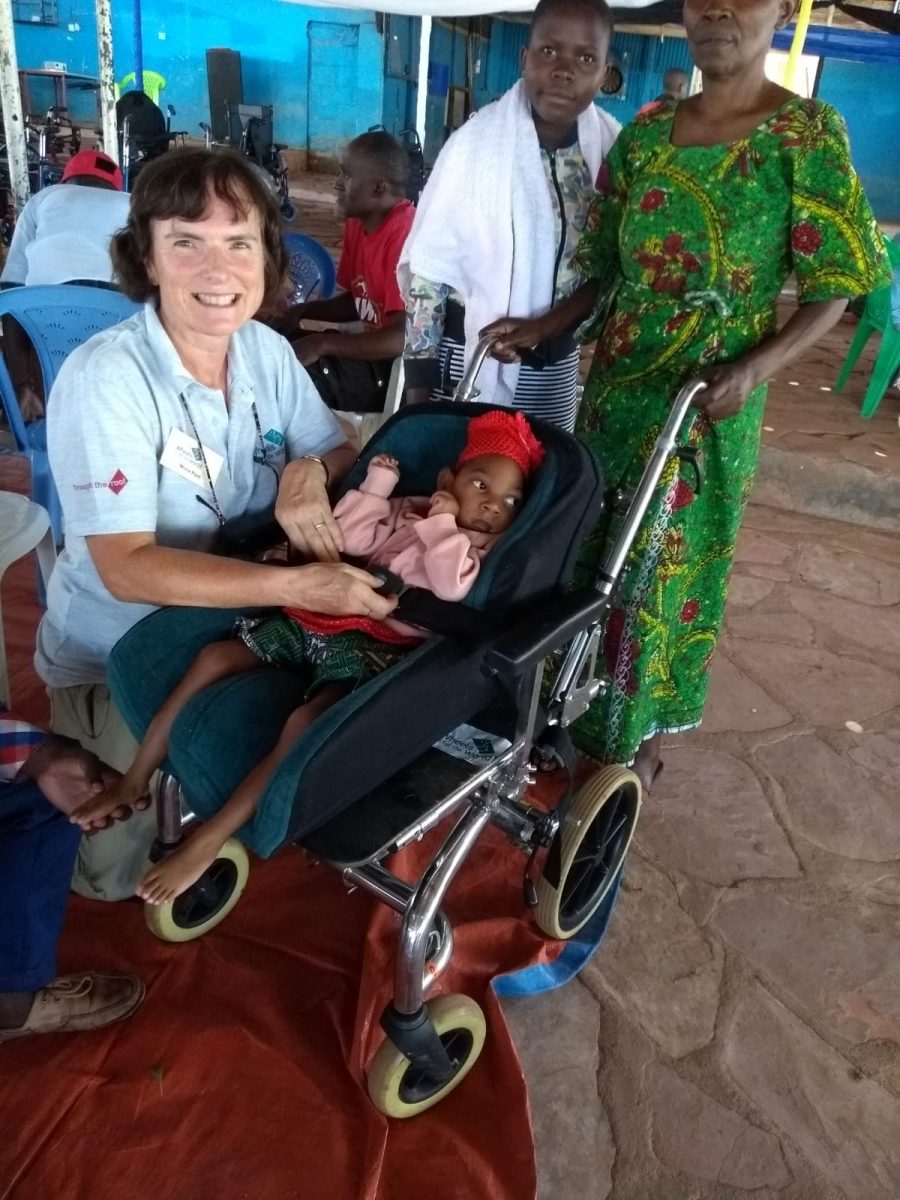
[55,321]
[312,267]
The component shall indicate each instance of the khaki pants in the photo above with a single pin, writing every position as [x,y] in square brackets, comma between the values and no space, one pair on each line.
[110,863]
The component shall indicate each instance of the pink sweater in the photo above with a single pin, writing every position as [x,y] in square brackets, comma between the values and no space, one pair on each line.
[428,552]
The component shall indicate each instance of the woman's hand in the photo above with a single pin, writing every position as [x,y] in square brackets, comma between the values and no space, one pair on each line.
[727,388]
[443,504]
[337,590]
[514,334]
[521,333]
[303,511]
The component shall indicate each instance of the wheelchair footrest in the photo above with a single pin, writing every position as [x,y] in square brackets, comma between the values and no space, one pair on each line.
[377,821]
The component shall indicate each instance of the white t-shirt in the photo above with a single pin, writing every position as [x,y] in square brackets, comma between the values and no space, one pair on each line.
[118,402]
[64,233]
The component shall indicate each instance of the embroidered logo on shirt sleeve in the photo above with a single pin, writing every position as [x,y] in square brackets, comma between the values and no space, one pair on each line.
[114,485]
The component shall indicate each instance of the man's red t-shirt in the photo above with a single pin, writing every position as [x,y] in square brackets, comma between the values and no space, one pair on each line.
[368,266]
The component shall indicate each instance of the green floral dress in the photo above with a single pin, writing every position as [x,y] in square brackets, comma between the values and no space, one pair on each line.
[692,245]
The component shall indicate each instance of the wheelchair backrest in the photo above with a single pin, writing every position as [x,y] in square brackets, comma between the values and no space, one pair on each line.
[539,549]
[146,124]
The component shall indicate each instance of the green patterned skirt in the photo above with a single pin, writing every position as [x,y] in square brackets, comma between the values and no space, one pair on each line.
[350,657]
[667,614]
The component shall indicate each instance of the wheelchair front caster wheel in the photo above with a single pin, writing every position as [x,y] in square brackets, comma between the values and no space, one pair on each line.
[205,903]
[398,1089]
[588,851]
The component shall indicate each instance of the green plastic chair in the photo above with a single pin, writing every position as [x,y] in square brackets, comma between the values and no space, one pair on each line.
[153,84]
[876,318]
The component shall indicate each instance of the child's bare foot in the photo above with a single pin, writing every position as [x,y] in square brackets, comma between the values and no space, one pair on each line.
[119,795]
[167,879]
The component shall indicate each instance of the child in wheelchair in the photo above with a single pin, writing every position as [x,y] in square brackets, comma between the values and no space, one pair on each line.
[436,542]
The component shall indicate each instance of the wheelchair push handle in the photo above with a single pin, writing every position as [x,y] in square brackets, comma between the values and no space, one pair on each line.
[667,444]
[466,389]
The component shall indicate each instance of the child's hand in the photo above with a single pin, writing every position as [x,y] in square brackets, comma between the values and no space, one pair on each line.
[443,503]
[387,461]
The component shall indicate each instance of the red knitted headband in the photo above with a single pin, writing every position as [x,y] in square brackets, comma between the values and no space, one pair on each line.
[505,432]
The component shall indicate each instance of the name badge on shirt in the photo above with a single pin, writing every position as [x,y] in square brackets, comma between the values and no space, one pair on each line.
[183,455]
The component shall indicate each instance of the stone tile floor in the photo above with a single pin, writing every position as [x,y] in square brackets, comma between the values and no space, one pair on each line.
[737,1033]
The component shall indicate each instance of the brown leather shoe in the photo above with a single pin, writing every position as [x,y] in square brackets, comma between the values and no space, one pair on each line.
[73,1003]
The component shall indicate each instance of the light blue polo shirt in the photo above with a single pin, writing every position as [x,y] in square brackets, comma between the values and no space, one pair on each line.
[112,411]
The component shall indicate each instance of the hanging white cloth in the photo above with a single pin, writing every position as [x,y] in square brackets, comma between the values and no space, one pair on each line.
[485,223]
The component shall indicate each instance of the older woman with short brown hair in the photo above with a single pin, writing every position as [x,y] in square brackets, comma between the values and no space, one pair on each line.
[167,426]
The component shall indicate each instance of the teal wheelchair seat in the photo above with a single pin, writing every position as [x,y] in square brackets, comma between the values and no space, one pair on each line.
[368,736]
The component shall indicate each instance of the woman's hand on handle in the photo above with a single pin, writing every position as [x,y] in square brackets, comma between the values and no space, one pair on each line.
[522,333]
[727,390]
[512,335]
[338,590]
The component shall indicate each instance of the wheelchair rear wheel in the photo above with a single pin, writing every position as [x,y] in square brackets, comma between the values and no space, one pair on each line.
[205,903]
[588,851]
[398,1089]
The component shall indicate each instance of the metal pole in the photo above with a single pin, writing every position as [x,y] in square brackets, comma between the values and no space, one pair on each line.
[11,100]
[107,80]
[422,89]
[138,49]
[793,62]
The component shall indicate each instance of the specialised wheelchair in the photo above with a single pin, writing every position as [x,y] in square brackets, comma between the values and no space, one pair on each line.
[144,133]
[367,778]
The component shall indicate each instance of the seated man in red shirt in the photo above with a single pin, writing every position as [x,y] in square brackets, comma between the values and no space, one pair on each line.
[351,370]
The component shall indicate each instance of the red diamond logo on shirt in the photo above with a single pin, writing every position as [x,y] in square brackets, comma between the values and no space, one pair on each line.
[117,482]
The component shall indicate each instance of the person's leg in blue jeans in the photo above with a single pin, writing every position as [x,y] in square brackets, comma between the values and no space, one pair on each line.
[38,845]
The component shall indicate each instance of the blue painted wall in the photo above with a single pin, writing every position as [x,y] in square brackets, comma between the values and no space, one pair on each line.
[643,61]
[494,62]
[283,46]
[868,95]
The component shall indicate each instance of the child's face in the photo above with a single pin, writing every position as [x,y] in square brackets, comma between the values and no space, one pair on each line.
[489,491]
[564,64]
[356,187]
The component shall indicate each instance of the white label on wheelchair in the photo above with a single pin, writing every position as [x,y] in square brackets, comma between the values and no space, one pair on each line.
[472,745]
[184,455]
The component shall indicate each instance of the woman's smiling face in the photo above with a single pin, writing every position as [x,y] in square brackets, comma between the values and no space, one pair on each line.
[727,35]
[210,273]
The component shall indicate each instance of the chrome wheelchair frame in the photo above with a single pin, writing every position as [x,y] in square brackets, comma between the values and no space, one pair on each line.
[431,1047]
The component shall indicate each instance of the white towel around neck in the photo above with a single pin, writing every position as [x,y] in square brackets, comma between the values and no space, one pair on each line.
[485,224]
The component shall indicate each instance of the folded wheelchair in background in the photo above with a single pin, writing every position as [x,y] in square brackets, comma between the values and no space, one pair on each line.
[366,778]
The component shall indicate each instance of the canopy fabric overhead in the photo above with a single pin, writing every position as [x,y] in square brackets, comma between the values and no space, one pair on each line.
[883,18]
[452,8]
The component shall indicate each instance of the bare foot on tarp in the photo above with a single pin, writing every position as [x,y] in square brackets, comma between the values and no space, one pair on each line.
[167,879]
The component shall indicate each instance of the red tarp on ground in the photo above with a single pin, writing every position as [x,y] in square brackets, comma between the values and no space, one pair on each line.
[240,1077]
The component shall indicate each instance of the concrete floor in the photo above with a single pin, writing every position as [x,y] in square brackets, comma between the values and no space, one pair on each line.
[737,1033]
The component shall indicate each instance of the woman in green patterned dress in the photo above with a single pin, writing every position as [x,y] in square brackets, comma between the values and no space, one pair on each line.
[705,207]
